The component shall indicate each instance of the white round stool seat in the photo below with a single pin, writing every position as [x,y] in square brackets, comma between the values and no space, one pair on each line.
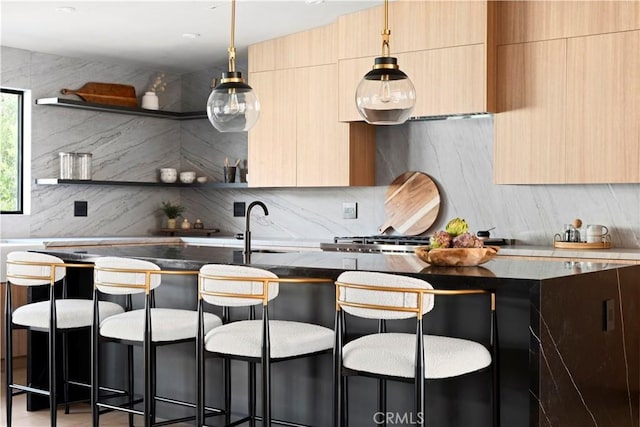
[70,313]
[167,324]
[287,338]
[394,354]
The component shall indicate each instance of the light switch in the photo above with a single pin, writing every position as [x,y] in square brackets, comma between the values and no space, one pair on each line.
[349,210]
[80,208]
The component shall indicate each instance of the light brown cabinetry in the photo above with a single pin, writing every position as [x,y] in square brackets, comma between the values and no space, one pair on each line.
[298,141]
[529,131]
[272,141]
[568,107]
[329,153]
[313,47]
[603,108]
[444,47]
[525,21]
[414,25]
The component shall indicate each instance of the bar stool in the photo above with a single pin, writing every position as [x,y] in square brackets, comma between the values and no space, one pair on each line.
[149,327]
[53,316]
[262,341]
[402,356]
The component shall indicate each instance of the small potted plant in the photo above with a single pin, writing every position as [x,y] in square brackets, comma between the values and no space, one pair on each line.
[172,212]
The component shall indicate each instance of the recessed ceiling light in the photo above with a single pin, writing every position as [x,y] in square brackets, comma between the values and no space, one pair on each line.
[65,9]
[190,35]
[313,1]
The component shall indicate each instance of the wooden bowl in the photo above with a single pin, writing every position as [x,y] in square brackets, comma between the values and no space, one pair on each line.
[456,257]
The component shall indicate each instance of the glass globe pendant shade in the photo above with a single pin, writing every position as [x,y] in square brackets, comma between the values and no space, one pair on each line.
[232,105]
[385,95]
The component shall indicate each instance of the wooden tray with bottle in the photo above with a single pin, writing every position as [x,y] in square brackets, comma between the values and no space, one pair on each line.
[581,245]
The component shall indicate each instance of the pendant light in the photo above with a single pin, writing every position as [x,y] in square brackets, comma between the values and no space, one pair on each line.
[232,105]
[385,95]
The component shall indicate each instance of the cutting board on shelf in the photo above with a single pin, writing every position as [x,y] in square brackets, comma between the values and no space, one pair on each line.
[106,93]
[411,204]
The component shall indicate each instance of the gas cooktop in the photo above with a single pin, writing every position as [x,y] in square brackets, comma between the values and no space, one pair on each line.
[385,243]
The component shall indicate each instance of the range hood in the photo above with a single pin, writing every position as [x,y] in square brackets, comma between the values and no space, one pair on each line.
[450,117]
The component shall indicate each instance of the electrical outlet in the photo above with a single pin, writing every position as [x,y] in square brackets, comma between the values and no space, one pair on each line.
[80,208]
[349,210]
[608,315]
[350,263]
[239,208]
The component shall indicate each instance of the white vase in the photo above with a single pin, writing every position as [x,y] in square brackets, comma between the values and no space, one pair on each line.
[150,101]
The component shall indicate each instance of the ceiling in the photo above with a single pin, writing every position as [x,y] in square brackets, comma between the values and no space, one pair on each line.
[150,33]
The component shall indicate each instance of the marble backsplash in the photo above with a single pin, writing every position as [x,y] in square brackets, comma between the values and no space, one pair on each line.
[457,154]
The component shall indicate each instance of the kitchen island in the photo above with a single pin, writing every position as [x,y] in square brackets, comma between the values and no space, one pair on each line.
[567,333]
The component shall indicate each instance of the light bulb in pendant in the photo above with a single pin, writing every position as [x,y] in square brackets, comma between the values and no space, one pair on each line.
[385,91]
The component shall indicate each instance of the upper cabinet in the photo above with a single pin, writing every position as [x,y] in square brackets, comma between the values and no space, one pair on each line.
[530,132]
[603,108]
[313,47]
[298,141]
[568,105]
[526,21]
[446,48]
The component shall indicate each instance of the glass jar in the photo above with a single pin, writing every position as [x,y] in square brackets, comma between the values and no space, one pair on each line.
[66,165]
[83,166]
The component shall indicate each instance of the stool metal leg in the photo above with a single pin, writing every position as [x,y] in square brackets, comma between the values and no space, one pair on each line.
[130,383]
[65,371]
[227,390]
[95,385]
[52,360]
[200,368]
[382,401]
[338,389]
[266,369]
[252,394]
[419,376]
[148,366]
[153,384]
[345,402]
[8,354]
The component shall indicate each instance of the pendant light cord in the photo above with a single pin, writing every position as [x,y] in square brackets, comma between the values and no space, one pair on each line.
[232,49]
[386,32]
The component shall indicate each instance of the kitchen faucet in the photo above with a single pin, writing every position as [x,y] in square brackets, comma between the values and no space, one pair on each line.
[247,229]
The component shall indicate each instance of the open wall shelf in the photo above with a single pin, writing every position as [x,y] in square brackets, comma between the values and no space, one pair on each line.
[56,181]
[81,105]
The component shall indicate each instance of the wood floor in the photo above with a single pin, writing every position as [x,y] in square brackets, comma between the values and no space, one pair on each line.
[79,416]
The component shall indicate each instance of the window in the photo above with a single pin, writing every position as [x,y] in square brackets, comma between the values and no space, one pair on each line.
[12,150]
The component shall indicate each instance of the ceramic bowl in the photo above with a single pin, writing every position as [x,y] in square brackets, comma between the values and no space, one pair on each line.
[168,175]
[201,179]
[187,177]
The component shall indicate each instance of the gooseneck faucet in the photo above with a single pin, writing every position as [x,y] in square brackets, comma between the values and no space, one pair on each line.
[247,229]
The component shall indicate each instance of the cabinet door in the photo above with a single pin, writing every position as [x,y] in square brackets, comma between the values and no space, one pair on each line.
[529,130]
[415,25]
[603,94]
[447,81]
[322,142]
[523,21]
[272,141]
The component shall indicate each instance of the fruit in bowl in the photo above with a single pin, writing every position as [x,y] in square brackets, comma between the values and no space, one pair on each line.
[455,246]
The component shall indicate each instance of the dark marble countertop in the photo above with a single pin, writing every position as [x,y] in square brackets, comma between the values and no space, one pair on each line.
[305,263]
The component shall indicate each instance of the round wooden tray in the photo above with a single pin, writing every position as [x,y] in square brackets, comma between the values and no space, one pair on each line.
[581,245]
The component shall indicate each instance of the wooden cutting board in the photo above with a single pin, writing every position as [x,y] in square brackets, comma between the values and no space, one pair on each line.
[106,93]
[411,204]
